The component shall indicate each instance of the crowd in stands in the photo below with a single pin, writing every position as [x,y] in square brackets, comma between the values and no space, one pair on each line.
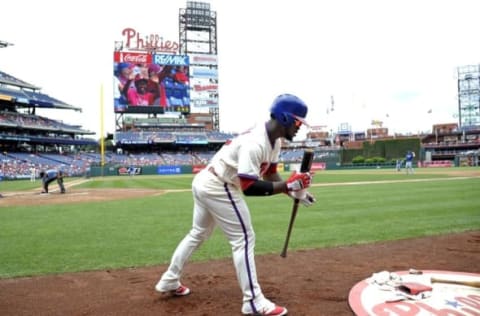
[19,165]
[40,128]
[33,121]
[163,136]
[292,156]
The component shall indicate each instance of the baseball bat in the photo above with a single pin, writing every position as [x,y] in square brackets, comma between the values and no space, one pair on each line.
[472,283]
[305,167]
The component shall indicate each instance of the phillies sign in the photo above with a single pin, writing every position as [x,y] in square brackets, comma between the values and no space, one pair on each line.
[149,42]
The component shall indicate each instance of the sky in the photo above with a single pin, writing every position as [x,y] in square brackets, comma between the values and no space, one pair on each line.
[391,61]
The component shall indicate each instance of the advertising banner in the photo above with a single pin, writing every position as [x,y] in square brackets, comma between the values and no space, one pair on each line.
[204,92]
[197,168]
[166,169]
[203,59]
[204,72]
[129,171]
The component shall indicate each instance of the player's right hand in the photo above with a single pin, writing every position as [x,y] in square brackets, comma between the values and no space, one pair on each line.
[305,197]
[299,181]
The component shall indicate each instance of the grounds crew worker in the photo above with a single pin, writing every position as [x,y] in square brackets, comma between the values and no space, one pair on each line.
[49,176]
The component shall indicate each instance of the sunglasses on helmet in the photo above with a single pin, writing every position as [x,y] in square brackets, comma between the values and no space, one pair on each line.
[299,121]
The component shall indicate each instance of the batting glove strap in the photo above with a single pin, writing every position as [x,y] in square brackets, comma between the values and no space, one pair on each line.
[298,181]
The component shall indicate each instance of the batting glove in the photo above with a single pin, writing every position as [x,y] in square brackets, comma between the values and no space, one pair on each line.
[305,197]
[299,181]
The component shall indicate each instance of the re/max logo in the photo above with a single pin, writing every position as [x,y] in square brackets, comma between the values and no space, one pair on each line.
[176,60]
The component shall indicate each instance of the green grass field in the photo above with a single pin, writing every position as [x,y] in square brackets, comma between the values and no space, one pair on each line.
[353,207]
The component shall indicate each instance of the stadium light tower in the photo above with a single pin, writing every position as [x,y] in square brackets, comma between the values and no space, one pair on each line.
[4,44]
[469,96]
[198,38]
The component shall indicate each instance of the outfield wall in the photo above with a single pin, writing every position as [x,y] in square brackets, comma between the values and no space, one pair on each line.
[165,169]
[188,169]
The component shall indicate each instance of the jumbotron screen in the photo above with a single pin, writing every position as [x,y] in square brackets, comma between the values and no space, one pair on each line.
[151,83]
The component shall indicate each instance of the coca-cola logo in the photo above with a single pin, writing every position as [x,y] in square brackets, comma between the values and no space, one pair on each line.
[135,58]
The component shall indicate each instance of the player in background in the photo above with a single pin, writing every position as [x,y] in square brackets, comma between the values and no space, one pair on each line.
[60,177]
[49,176]
[131,170]
[398,164]
[409,162]
[33,173]
[245,165]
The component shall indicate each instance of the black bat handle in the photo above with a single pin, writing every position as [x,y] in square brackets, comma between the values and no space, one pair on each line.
[305,167]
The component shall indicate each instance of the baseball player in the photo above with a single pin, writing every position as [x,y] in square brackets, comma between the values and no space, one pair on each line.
[49,176]
[398,164]
[409,161]
[33,173]
[245,165]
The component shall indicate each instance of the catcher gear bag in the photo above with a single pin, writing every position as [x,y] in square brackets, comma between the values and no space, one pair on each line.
[287,108]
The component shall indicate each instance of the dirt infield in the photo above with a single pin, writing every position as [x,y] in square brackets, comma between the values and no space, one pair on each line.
[314,282]
[74,195]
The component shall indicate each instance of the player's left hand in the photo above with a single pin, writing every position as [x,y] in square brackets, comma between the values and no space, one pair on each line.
[305,197]
[299,181]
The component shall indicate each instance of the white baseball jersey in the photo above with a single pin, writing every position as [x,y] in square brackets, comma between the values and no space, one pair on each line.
[218,200]
[248,155]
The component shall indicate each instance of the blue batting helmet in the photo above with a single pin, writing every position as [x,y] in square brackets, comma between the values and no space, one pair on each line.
[287,108]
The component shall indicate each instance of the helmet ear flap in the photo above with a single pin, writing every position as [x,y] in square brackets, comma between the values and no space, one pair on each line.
[285,119]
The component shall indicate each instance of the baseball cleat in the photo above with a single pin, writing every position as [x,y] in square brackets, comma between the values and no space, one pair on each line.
[182,290]
[273,311]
